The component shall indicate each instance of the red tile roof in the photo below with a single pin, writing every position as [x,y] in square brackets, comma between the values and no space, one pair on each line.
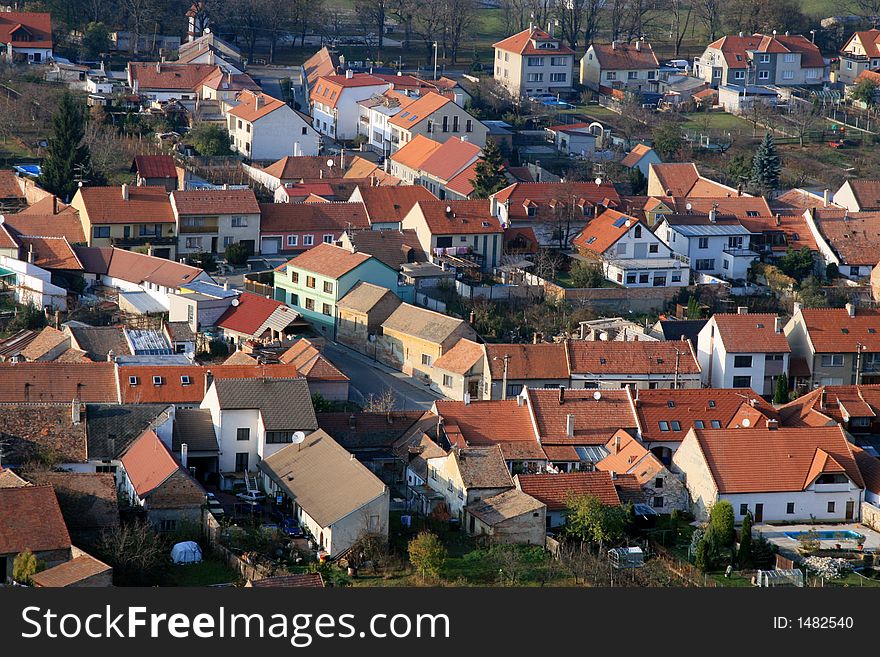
[148,463]
[641,357]
[603,232]
[831,404]
[139,268]
[583,194]
[58,382]
[866,192]
[786,459]
[683,179]
[461,358]
[463,217]
[713,407]
[852,235]
[626,455]
[832,330]
[224,81]
[734,48]
[627,56]
[106,205]
[9,185]
[69,573]
[870,39]
[463,182]
[311,363]
[453,156]
[751,333]
[37,25]
[155,166]
[30,519]
[524,43]
[555,490]
[64,224]
[415,152]
[869,466]
[416,112]
[172,389]
[322,63]
[296,217]
[253,106]
[215,201]
[307,167]
[171,77]
[251,313]
[328,260]
[328,89]
[535,362]
[50,253]
[485,422]
[637,153]
[594,421]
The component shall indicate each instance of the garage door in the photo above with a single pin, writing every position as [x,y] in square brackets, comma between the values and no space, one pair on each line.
[270,245]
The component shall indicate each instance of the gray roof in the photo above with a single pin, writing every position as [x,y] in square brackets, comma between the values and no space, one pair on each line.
[709,230]
[363,296]
[194,427]
[421,323]
[673,329]
[482,467]
[119,424]
[97,341]
[285,404]
[323,478]
[504,506]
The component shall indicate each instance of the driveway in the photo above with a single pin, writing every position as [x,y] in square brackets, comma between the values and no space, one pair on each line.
[368,377]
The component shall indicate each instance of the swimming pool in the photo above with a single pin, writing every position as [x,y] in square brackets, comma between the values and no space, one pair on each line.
[829,535]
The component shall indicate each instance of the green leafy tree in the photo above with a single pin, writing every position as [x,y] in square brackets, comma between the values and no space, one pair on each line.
[96,40]
[780,392]
[589,520]
[203,260]
[321,404]
[25,566]
[489,172]
[701,556]
[865,91]
[237,254]
[811,294]
[694,309]
[667,139]
[210,139]
[766,166]
[69,161]
[585,274]
[739,169]
[218,348]
[745,542]
[638,182]
[721,521]
[427,554]
[762,552]
[797,263]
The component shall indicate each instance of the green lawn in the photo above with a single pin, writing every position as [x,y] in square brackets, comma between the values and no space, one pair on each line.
[210,571]
[717,121]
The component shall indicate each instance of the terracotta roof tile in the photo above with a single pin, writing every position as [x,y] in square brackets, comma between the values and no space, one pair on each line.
[328,89]
[9,185]
[106,205]
[832,330]
[852,235]
[328,260]
[71,572]
[683,179]
[64,224]
[215,201]
[57,382]
[148,463]
[594,421]
[463,182]
[311,363]
[602,232]
[30,518]
[870,40]
[554,490]
[637,153]
[415,152]
[529,361]
[306,167]
[628,56]
[50,253]
[37,24]
[485,422]
[416,112]
[786,459]
[640,357]
[523,43]
[751,333]
[171,77]
[832,404]
[296,217]
[33,430]
[626,455]
[869,466]
[253,106]
[252,313]
[482,467]
[155,166]
[584,194]
[461,358]
[393,247]
[463,218]
[322,63]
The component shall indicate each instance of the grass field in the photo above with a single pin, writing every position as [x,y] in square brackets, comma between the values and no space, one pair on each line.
[206,573]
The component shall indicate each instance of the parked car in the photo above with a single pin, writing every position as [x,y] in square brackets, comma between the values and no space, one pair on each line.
[214,506]
[251,496]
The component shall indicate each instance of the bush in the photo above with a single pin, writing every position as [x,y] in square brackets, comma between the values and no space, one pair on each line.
[721,522]
[27,317]
[584,274]
[25,566]
[210,139]
[203,260]
[218,348]
[427,554]
[237,254]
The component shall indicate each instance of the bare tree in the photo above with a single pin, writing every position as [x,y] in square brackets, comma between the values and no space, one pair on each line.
[579,18]
[140,13]
[429,24]
[372,14]
[385,402]
[681,18]
[280,16]
[459,16]
[867,9]
[709,13]
[803,116]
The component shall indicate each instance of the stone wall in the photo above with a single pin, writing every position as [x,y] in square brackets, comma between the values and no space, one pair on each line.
[871,516]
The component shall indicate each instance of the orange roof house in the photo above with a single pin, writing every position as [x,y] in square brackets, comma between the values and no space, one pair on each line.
[164,79]
[26,33]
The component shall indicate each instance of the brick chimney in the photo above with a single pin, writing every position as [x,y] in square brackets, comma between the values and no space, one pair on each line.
[561,395]
[124,192]
[569,425]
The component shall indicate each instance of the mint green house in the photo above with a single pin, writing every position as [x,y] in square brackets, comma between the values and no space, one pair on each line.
[316,280]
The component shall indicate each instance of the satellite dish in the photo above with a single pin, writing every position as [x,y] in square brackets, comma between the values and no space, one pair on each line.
[597,395]
[330,163]
[298,437]
[747,422]
[598,181]
[235,302]
[688,206]
[628,223]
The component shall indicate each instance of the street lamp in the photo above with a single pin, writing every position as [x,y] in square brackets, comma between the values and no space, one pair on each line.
[435,60]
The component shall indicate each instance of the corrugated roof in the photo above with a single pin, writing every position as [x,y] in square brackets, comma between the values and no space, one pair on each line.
[71,572]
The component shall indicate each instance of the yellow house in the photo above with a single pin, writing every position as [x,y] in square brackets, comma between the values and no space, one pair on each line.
[128,218]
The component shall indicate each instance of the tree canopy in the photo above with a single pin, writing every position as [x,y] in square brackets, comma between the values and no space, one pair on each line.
[69,162]
[489,171]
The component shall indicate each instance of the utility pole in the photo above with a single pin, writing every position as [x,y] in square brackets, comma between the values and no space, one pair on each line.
[435,60]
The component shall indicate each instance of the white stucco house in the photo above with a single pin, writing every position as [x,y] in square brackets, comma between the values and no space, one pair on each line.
[335,99]
[265,128]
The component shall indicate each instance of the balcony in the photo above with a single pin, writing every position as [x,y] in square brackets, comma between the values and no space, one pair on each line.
[212,227]
[125,242]
[831,488]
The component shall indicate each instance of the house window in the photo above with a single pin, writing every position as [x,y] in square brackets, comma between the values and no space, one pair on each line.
[739,75]
[742,361]
[832,360]
[447,381]
[632,75]
[292,240]
[308,240]
[100,231]
[664,426]
[831,507]
[735,242]
[743,509]
[742,382]
[558,77]
[658,502]
[513,389]
[239,222]
[278,437]
[310,304]
[703,243]
[445,127]
[765,59]
[534,77]
[638,231]
[630,279]
[328,239]
[194,242]
[652,75]
[328,287]
[658,482]
[426,360]
[105,469]
[715,424]
[789,58]
[789,508]
[653,248]
[763,75]
[643,278]
[157,380]
[469,125]
[294,277]
[243,433]
[705,264]
[676,277]
[305,130]
[227,241]
[699,424]
[788,75]
[327,309]
[535,61]
[676,425]
[610,75]
[310,282]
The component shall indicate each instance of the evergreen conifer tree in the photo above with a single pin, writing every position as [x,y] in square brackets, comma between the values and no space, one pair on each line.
[69,161]
[489,172]
[766,166]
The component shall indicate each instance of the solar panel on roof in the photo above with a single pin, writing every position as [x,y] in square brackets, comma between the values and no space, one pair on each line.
[620,222]
[593,454]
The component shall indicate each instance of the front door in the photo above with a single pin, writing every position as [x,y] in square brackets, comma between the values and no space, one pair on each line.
[213,245]
[850,509]
[759,513]
[241,462]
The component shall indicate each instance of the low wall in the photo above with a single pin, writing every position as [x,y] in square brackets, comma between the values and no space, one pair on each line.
[871,516]
[499,292]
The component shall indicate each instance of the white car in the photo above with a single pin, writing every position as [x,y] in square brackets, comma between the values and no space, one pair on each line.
[251,496]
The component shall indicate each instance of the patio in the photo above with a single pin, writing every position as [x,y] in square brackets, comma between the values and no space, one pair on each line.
[779,536]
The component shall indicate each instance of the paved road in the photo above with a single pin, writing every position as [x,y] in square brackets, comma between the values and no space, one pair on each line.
[369,378]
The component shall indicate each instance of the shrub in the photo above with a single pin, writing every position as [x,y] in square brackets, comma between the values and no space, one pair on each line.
[584,274]
[237,254]
[218,348]
[427,554]
[721,522]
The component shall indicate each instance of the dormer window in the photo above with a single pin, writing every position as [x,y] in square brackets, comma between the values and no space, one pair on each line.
[132,380]
[157,380]
[185,380]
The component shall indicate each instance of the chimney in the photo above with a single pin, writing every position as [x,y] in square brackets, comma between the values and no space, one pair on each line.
[124,192]
[258,100]
[742,310]
[349,74]
[713,213]
[639,45]
[614,45]
[158,67]
[777,325]
[75,411]
[226,284]
[826,198]
[851,309]
[561,395]
[519,400]
[613,475]
[54,204]
[787,33]
[778,219]
[797,307]
[209,379]
[616,449]
[772,425]
[822,399]
[184,449]
[569,425]
[467,399]
[111,356]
